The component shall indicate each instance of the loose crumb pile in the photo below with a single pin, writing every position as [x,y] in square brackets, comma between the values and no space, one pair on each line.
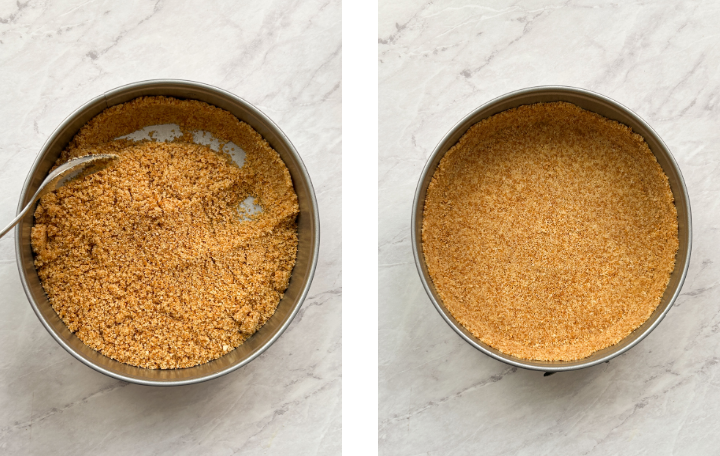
[550,232]
[148,261]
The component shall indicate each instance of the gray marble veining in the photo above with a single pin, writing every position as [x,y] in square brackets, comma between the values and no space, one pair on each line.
[437,62]
[282,56]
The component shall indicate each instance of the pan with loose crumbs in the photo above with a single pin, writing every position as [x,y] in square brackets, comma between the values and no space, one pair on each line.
[182,253]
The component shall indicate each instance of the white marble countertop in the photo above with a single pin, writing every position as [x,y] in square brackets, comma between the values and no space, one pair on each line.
[282,56]
[440,60]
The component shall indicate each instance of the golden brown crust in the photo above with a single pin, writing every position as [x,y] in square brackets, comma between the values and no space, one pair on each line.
[550,232]
[147,260]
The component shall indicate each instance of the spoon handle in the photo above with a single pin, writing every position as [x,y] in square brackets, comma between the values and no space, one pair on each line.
[19,217]
[61,176]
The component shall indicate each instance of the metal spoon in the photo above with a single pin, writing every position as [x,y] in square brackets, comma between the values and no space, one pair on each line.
[61,176]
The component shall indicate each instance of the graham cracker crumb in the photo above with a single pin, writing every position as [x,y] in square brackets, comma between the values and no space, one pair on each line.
[148,261]
[550,232]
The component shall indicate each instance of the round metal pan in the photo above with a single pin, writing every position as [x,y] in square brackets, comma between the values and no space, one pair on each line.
[302,274]
[612,110]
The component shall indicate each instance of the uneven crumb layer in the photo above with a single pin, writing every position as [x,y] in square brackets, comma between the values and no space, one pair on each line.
[147,261]
[550,232]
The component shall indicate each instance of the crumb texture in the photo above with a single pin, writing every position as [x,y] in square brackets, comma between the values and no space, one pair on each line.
[550,232]
[149,261]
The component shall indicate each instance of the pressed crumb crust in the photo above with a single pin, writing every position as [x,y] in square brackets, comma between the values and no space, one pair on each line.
[148,261]
[550,232]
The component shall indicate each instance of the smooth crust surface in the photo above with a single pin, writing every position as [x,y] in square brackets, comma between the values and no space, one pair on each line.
[147,261]
[550,232]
